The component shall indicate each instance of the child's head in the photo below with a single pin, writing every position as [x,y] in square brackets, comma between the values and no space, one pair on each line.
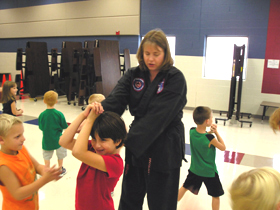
[256,189]
[156,38]
[274,120]
[50,98]
[96,97]
[202,113]
[9,90]
[11,134]
[110,125]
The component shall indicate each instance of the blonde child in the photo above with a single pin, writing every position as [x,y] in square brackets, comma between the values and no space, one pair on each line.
[18,168]
[96,97]
[203,153]
[274,120]
[52,122]
[257,189]
[8,100]
[102,165]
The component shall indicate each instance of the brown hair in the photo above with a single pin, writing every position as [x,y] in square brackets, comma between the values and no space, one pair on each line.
[110,125]
[200,114]
[6,93]
[50,98]
[157,37]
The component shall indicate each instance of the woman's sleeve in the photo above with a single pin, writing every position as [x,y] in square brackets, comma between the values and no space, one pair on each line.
[118,99]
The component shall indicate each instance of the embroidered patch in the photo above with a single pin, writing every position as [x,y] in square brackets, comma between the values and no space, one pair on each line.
[160,86]
[138,84]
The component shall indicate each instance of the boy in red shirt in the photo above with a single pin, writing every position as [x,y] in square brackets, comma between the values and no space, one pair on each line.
[102,165]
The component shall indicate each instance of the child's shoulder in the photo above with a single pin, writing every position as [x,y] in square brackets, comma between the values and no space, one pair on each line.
[210,136]
[57,111]
[45,111]
[114,164]
[53,110]
[194,132]
[5,158]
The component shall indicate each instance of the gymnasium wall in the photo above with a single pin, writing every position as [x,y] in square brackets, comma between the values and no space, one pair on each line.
[189,20]
[55,21]
[82,18]
[192,20]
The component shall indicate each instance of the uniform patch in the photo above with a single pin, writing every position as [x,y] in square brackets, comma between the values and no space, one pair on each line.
[160,86]
[138,84]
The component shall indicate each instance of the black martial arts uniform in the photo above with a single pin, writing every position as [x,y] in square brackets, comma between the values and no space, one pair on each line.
[155,145]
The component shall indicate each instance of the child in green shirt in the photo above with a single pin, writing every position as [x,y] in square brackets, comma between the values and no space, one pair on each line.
[52,122]
[203,153]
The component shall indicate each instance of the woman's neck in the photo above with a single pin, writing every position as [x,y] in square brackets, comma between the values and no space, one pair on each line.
[153,75]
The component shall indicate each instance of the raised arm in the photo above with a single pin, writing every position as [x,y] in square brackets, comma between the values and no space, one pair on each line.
[80,149]
[217,142]
[67,138]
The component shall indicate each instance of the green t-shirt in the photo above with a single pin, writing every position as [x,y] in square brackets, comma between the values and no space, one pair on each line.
[202,156]
[51,122]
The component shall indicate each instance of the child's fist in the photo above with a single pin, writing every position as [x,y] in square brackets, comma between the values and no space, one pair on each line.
[213,128]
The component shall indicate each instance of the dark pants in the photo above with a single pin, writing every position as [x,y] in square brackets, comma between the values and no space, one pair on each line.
[161,188]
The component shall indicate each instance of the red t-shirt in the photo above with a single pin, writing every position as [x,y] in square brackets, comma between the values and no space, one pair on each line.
[94,187]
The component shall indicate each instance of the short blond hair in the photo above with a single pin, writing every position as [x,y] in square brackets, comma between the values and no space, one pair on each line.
[96,97]
[256,189]
[50,97]
[274,120]
[6,123]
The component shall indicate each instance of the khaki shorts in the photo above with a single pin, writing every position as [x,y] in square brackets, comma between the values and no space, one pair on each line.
[61,153]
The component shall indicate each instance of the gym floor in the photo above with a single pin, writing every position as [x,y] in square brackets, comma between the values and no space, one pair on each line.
[247,148]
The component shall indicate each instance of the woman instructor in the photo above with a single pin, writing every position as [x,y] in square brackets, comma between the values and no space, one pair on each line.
[155,92]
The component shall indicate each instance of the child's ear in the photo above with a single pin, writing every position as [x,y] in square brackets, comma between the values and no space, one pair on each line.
[1,140]
[118,142]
